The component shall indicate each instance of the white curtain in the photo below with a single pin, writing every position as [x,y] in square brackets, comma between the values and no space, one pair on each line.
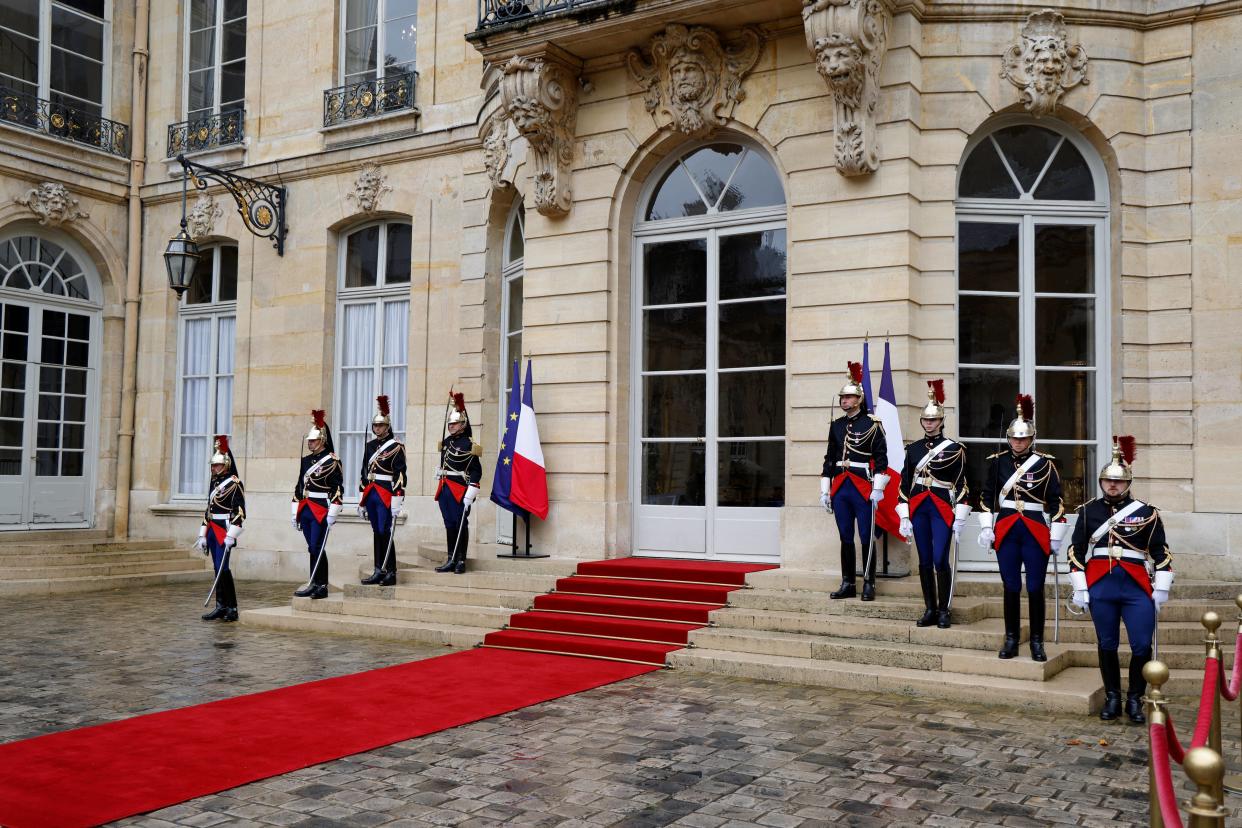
[202,417]
[395,368]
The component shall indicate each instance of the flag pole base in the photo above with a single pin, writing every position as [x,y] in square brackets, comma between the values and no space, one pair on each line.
[522,556]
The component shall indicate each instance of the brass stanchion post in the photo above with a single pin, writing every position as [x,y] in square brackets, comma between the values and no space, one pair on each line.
[1211,622]
[1206,769]
[1233,781]
[1156,674]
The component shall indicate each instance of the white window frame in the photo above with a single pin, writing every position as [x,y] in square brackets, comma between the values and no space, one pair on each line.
[216,311]
[216,57]
[45,54]
[512,271]
[376,296]
[380,73]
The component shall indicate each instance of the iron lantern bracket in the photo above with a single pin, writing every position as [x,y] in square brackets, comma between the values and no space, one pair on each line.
[261,205]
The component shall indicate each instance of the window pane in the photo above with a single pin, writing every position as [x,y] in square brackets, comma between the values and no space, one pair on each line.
[987,257]
[75,381]
[1065,405]
[984,176]
[79,326]
[751,474]
[21,16]
[200,289]
[53,351]
[46,463]
[73,436]
[202,49]
[224,406]
[77,353]
[517,240]
[196,347]
[752,264]
[14,346]
[514,288]
[1076,464]
[674,406]
[361,258]
[234,9]
[234,46]
[225,342]
[985,399]
[752,334]
[398,264]
[675,272]
[1027,149]
[71,463]
[193,470]
[360,51]
[1064,332]
[752,404]
[675,197]
[400,8]
[202,14]
[358,340]
[673,474]
[76,76]
[400,37]
[95,7]
[49,406]
[232,83]
[360,13]
[11,432]
[393,383]
[77,34]
[12,404]
[357,399]
[396,332]
[711,167]
[75,409]
[755,184]
[675,339]
[987,328]
[1064,259]
[228,274]
[195,407]
[1069,178]
[202,93]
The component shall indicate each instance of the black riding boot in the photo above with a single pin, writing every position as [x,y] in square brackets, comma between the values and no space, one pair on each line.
[868,593]
[1013,624]
[1110,672]
[459,563]
[927,580]
[449,561]
[1138,686]
[228,596]
[377,554]
[848,573]
[944,582]
[218,612]
[1035,601]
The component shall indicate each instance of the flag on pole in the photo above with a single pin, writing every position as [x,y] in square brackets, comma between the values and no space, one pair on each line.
[886,410]
[502,481]
[868,398]
[530,481]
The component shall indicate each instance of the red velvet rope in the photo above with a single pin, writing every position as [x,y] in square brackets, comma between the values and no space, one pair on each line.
[1165,794]
[1230,689]
[1207,702]
[1176,752]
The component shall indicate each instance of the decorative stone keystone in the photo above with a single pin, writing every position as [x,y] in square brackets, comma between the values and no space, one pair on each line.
[369,188]
[52,203]
[496,152]
[1043,65]
[539,94]
[692,80]
[848,39]
[202,218]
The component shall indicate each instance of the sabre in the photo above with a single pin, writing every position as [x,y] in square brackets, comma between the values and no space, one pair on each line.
[952,570]
[1056,604]
[465,515]
[224,561]
[392,528]
[323,547]
[870,545]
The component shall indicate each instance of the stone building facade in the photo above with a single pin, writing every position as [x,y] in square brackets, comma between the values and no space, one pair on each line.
[688,213]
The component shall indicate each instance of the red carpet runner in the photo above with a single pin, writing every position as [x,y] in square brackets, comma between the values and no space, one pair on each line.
[627,614]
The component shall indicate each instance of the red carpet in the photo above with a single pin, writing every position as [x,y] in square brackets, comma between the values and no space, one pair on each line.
[628,609]
[98,774]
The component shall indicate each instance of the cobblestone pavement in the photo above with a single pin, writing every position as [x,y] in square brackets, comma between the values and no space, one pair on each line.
[668,748]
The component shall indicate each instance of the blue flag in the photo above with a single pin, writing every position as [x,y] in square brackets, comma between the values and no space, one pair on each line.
[502,482]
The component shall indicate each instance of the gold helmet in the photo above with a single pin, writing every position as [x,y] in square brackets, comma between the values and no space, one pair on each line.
[221,456]
[1023,425]
[319,428]
[854,386]
[934,410]
[458,414]
[381,412]
[1118,468]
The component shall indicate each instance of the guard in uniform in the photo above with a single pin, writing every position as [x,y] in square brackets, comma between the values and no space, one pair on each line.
[317,502]
[1114,538]
[1023,519]
[222,526]
[853,481]
[458,484]
[933,506]
[382,484]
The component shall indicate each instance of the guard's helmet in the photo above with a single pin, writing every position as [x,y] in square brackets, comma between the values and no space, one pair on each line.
[1024,424]
[381,412]
[934,410]
[1118,468]
[854,386]
[458,414]
[221,456]
[319,428]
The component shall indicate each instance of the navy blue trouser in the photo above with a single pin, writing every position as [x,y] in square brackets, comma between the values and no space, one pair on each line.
[314,531]
[1116,597]
[1021,549]
[217,552]
[932,537]
[379,514]
[850,508]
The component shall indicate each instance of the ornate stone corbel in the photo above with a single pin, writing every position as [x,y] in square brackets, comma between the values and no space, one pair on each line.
[496,152]
[52,203]
[202,218]
[539,94]
[848,39]
[1043,65]
[369,188]
[692,80]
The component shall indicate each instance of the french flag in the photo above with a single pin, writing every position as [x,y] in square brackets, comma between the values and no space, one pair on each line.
[886,409]
[530,479]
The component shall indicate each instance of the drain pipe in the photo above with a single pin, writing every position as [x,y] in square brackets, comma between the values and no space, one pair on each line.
[133,275]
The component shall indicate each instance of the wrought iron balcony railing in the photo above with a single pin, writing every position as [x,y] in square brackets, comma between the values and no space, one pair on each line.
[499,12]
[219,130]
[369,98]
[61,121]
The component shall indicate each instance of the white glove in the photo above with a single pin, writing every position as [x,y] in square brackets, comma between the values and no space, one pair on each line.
[201,543]
[1161,585]
[960,512]
[472,491]
[1055,545]
[1081,598]
[878,484]
[397,502]
[825,496]
[293,518]
[986,537]
[333,510]
[1056,536]
[229,542]
[826,502]
[906,529]
[362,512]
[1161,597]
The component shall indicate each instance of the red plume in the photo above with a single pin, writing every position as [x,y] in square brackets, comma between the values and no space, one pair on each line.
[1128,449]
[382,403]
[222,443]
[1026,406]
[937,387]
[317,416]
[459,402]
[856,372]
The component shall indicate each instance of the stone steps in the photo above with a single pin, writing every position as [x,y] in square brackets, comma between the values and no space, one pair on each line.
[61,559]
[124,567]
[291,619]
[60,566]
[446,614]
[59,549]
[91,583]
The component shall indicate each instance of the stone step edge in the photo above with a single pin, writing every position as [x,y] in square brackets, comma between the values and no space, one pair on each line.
[92,583]
[287,618]
[339,604]
[989,620]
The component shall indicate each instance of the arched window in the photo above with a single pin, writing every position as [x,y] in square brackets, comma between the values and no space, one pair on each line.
[1032,271]
[36,263]
[208,317]
[372,337]
[513,266]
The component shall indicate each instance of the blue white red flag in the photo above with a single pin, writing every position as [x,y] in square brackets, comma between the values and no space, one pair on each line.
[502,481]
[886,410]
[530,480]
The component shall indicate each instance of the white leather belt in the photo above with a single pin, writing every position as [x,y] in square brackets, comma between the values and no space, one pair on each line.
[318,495]
[387,478]
[1104,553]
[853,464]
[215,516]
[1026,507]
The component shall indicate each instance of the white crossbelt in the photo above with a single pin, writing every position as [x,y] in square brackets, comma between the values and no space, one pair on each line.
[931,455]
[1107,526]
[1021,470]
[1026,507]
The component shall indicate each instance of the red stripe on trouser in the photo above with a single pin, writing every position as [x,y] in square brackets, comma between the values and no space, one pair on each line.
[317,512]
[384,494]
[945,511]
[1038,530]
[1097,568]
[860,483]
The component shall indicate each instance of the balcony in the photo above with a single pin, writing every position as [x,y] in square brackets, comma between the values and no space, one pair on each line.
[64,122]
[369,99]
[494,13]
[212,132]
